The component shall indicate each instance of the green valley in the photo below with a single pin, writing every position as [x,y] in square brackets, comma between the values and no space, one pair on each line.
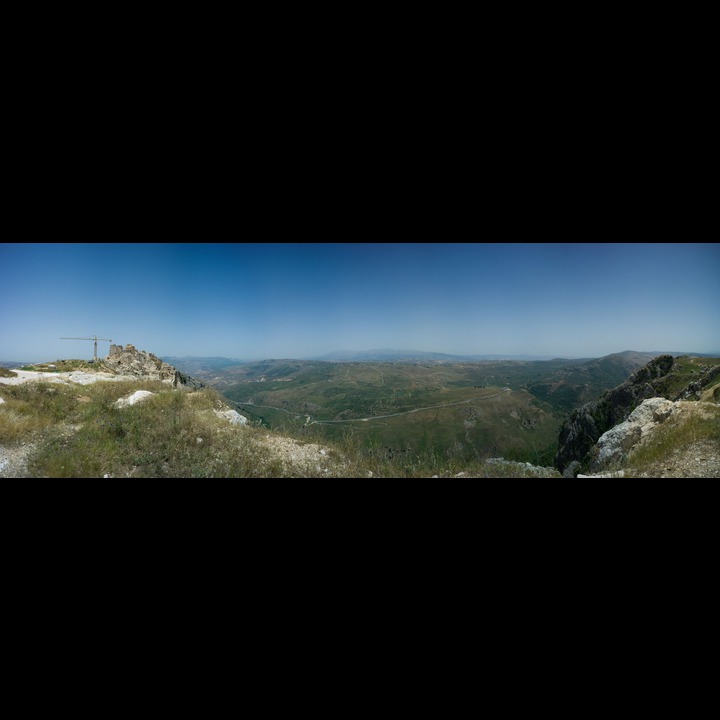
[464,410]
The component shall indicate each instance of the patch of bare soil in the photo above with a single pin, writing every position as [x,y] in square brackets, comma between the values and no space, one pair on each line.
[14,460]
[301,458]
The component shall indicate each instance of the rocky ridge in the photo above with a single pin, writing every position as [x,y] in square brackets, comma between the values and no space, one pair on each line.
[586,424]
[129,361]
[613,446]
[601,434]
[616,453]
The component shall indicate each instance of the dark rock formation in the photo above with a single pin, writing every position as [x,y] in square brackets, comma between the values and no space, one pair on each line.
[139,363]
[586,424]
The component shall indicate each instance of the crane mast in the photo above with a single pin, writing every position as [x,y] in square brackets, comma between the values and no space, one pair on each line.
[95,338]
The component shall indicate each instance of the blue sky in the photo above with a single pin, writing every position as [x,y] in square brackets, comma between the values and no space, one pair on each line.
[281,300]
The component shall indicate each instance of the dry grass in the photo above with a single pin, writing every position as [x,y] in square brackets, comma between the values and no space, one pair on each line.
[31,408]
[697,425]
[5,372]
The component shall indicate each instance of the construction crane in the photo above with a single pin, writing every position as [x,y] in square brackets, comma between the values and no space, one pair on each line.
[95,338]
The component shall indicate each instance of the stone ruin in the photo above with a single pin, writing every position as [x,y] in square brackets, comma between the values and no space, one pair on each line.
[130,361]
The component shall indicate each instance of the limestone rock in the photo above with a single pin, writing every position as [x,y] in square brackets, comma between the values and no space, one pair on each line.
[585,425]
[234,417]
[136,397]
[614,445]
[138,363]
[617,474]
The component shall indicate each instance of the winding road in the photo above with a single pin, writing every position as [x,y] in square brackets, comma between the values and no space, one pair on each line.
[405,412]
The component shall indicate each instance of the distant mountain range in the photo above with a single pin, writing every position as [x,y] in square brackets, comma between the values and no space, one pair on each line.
[391,355]
[193,363]
[190,364]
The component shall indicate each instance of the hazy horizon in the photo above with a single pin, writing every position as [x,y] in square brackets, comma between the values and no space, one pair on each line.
[299,300]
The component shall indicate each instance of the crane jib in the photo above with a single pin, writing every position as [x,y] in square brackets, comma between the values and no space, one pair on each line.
[94,337]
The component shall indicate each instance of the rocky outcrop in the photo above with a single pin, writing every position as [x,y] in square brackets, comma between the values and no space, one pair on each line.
[583,444]
[614,445]
[138,363]
[232,416]
[694,390]
[586,424]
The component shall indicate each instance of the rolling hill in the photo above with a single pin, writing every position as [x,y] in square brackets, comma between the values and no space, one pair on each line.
[470,409]
[371,420]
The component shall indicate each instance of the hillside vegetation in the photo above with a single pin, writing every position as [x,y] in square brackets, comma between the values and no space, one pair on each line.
[63,430]
[466,410]
[366,420]
[687,445]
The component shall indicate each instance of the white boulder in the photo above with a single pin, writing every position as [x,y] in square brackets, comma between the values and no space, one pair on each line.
[617,474]
[232,416]
[642,421]
[136,397]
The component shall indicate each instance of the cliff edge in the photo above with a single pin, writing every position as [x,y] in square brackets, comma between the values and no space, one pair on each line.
[605,429]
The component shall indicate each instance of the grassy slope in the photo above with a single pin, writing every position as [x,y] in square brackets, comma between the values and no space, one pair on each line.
[79,433]
[676,443]
[688,433]
[685,370]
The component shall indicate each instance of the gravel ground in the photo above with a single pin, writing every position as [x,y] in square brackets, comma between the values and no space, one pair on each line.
[13,460]
[306,458]
[76,377]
